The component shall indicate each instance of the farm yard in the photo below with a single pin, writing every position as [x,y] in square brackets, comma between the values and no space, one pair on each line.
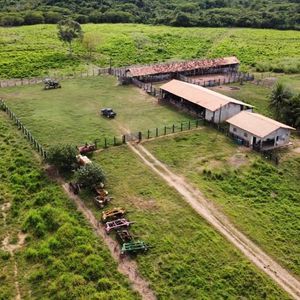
[217,216]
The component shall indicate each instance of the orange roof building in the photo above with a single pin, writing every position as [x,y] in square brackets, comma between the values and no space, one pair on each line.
[181,67]
[203,102]
[259,131]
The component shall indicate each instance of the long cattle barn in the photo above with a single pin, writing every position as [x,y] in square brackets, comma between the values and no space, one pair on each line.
[201,102]
[258,131]
[156,72]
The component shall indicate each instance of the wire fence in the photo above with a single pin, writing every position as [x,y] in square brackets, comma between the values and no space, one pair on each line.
[33,141]
[56,75]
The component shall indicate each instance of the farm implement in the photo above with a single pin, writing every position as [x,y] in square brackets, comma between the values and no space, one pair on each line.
[112,214]
[124,236]
[102,198]
[134,247]
[86,148]
[116,224]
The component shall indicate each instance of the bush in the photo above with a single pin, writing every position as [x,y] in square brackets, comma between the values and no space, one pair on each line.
[62,156]
[32,18]
[90,175]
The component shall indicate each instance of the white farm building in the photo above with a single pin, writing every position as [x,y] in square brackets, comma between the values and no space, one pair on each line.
[202,102]
[258,131]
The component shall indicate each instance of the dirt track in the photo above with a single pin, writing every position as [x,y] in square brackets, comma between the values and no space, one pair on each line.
[126,266]
[221,223]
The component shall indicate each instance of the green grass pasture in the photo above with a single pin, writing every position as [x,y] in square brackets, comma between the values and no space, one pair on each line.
[260,198]
[189,260]
[71,114]
[61,257]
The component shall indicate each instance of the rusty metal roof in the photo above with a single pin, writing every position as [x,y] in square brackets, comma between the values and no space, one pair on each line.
[182,66]
[256,124]
[199,95]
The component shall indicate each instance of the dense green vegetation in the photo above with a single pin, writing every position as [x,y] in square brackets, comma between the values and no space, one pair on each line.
[36,50]
[61,257]
[247,13]
[261,199]
[72,114]
[189,260]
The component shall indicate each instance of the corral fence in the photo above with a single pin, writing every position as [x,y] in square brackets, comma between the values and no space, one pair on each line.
[36,145]
[230,78]
[57,76]
[147,87]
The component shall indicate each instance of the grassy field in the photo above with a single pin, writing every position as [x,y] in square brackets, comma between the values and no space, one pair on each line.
[261,199]
[35,50]
[61,257]
[71,114]
[189,260]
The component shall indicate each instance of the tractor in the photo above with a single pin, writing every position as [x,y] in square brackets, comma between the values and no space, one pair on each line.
[51,84]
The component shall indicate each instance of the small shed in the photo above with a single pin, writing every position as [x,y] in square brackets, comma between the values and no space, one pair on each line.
[258,131]
[201,102]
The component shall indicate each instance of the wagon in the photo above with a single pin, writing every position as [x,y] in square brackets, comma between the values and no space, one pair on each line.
[112,214]
[116,224]
[124,236]
[134,247]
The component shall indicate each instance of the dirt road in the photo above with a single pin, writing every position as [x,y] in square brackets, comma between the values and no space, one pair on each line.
[221,223]
[126,266]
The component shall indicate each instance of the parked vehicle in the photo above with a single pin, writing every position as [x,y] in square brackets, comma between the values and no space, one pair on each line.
[108,113]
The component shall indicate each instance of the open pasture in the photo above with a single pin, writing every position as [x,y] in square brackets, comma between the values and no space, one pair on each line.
[189,260]
[59,256]
[260,198]
[35,50]
[71,114]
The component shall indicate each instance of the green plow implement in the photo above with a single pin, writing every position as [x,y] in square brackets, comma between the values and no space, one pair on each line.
[134,247]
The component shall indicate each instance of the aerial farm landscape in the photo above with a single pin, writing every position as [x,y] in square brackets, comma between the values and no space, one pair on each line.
[149,161]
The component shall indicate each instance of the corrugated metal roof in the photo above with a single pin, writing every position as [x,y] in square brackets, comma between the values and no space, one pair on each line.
[256,124]
[174,67]
[202,96]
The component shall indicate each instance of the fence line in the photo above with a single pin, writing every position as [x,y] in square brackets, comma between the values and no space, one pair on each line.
[36,145]
[233,77]
[57,76]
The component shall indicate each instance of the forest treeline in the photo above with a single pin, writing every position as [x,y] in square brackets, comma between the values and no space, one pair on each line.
[279,14]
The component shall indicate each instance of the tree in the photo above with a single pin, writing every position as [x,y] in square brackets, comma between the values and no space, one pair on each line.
[279,99]
[90,175]
[68,31]
[32,18]
[90,42]
[62,156]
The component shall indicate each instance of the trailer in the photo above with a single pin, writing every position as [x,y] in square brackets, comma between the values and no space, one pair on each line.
[116,224]
[87,148]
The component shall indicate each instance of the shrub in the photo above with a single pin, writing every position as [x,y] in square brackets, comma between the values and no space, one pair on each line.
[90,175]
[62,156]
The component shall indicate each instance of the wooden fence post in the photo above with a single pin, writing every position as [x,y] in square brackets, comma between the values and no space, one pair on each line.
[189,125]
[105,143]
[165,130]
[173,128]
[156,132]
[148,134]
[181,126]
[115,141]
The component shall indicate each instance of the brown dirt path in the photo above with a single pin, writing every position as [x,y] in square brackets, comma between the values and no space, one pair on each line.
[126,266]
[220,222]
